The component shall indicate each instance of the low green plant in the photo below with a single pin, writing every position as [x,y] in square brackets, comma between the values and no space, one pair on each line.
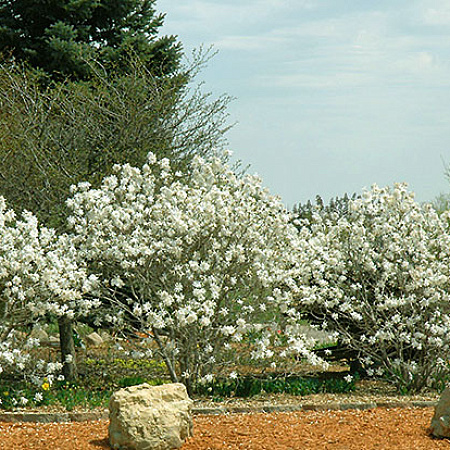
[110,372]
[65,395]
[249,386]
[133,381]
[71,396]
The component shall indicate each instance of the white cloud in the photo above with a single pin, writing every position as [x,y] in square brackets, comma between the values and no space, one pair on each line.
[350,48]
[437,17]
[361,85]
[436,12]
[418,63]
[219,15]
[247,43]
[323,81]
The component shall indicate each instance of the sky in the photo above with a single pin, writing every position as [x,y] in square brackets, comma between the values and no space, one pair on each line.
[330,96]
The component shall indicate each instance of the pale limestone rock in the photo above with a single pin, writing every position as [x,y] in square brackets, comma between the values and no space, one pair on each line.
[93,340]
[150,417]
[440,424]
[39,333]
[52,341]
[105,336]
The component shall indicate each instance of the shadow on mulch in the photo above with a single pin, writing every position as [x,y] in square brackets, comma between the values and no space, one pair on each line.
[101,443]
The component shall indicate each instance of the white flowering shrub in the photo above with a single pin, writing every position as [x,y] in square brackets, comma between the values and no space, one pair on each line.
[198,261]
[39,278]
[379,277]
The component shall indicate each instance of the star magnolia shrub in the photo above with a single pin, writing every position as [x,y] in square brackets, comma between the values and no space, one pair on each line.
[198,261]
[39,278]
[379,276]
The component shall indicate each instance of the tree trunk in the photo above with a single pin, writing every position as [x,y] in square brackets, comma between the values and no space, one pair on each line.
[170,368]
[67,349]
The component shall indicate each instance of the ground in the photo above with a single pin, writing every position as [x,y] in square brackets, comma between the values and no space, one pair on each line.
[379,428]
[375,429]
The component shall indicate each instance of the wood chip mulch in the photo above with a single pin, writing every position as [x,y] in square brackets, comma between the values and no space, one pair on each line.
[375,429]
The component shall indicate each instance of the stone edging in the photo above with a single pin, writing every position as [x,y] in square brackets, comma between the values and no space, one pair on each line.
[38,417]
[317,407]
[42,417]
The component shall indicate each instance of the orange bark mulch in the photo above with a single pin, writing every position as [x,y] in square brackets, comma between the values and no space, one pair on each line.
[375,429]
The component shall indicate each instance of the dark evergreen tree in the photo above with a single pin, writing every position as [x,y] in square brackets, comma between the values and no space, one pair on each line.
[335,209]
[61,37]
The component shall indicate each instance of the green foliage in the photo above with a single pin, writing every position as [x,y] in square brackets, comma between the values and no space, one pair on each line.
[121,372]
[62,37]
[249,386]
[133,381]
[336,208]
[68,396]
[86,395]
[100,378]
[76,131]
[127,364]
[10,393]
[71,396]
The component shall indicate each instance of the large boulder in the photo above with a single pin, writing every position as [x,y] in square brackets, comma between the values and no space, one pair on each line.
[150,417]
[440,424]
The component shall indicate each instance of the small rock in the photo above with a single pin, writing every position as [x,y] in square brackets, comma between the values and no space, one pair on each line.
[52,341]
[93,340]
[105,336]
[150,417]
[440,424]
[39,333]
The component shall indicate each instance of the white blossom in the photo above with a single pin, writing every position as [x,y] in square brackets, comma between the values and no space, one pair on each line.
[204,251]
[380,276]
[348,378]
[41,273]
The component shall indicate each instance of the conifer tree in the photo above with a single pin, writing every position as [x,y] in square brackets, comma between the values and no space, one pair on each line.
[61,37]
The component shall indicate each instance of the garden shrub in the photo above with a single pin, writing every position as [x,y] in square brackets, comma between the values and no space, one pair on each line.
[196,260]
[40,279]
[379,277]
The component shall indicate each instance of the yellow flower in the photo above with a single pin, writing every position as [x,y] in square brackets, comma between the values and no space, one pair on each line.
[45,386]
[6,393]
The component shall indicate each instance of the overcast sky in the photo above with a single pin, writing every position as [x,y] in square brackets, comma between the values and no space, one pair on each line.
[331,95]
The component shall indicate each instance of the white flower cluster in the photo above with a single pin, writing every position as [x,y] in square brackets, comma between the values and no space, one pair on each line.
[380,277]
[39,275]
[199,260]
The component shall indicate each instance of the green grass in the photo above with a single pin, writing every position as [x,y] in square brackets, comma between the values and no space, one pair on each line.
[67,396]
[98,379]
